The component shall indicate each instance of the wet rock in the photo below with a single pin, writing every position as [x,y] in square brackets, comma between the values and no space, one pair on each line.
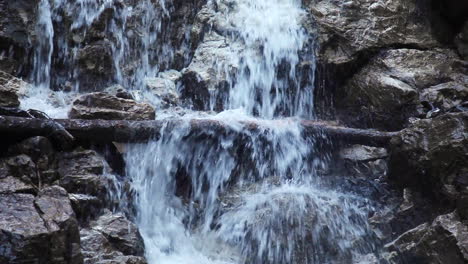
[385,92]
[12,184]
[112,239]
[41,230]
[85,206]
[34,147]
[24,168]
[118,91]
[443,241]
[17,32]
[208,73]
[347,28]
[362,160]
[446,96]
[23,235]
[121,233]
[81,172]
[412,210]
[106,106]
[96,66]
[431,156]
[56,211]
[462,41]
[10,89]
[164,89]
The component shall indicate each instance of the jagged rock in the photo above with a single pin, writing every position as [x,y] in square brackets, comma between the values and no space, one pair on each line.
[96,66]
[24,168]
[446,96]
[81,172]
[12,184]
[411,211]
[432,156]
[208,73]
[23,235]
[57,213]
[391,84]
[10,89]
[443,241]
[112,239]
[121,233]
[106,106]
[347,28]
[34,147]
[85,206]
[462,41]
[164,89]
[17,32]
[362,160]
[41,230]
[358,153]
[119,91]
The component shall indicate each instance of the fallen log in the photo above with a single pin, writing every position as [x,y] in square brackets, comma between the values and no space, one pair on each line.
[125,131]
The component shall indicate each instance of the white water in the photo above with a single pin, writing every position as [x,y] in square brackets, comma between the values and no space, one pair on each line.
[210,198]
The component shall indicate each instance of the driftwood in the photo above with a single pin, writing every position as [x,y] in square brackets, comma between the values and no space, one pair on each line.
[102,131]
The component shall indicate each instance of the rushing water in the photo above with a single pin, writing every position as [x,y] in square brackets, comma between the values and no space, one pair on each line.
[203,197]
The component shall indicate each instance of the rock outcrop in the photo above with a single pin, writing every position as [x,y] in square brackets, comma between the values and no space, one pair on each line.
[445,240]
[112,239]
[432,156]
[40,229]
[109,107]
[393,82]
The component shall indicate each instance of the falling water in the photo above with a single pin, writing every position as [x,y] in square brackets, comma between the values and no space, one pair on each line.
[249,196]
[204,197]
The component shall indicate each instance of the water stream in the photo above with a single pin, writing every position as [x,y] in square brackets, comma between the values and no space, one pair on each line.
[247,196]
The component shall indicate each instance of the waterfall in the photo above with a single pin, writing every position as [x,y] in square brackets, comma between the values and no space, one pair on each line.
[205,197]
[252,197]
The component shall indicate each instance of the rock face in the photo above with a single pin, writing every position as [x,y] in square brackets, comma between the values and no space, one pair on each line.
[391,83]
[96,66]
[349,28]
[106,106]
[39,230]
[443,241]
[17,26]
[112,239]
[10,88]
[432,156]
[208,73]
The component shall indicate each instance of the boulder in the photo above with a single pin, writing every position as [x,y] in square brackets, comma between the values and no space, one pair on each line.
[448,96]
[23,236]
[385,93]
[56,211]
[164,89]
[112,239]
[10,89]
[119,91]
[39,230]
[209,73]
[81,171]
[348,28]
[445,240]
[109,107]
[432,156]
[17,33]
[96,65]
[364,161]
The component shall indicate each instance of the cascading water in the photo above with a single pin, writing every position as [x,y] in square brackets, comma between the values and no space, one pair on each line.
[245,196]
[248,196]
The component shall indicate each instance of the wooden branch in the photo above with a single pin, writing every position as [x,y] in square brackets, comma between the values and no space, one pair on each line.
[103,131]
